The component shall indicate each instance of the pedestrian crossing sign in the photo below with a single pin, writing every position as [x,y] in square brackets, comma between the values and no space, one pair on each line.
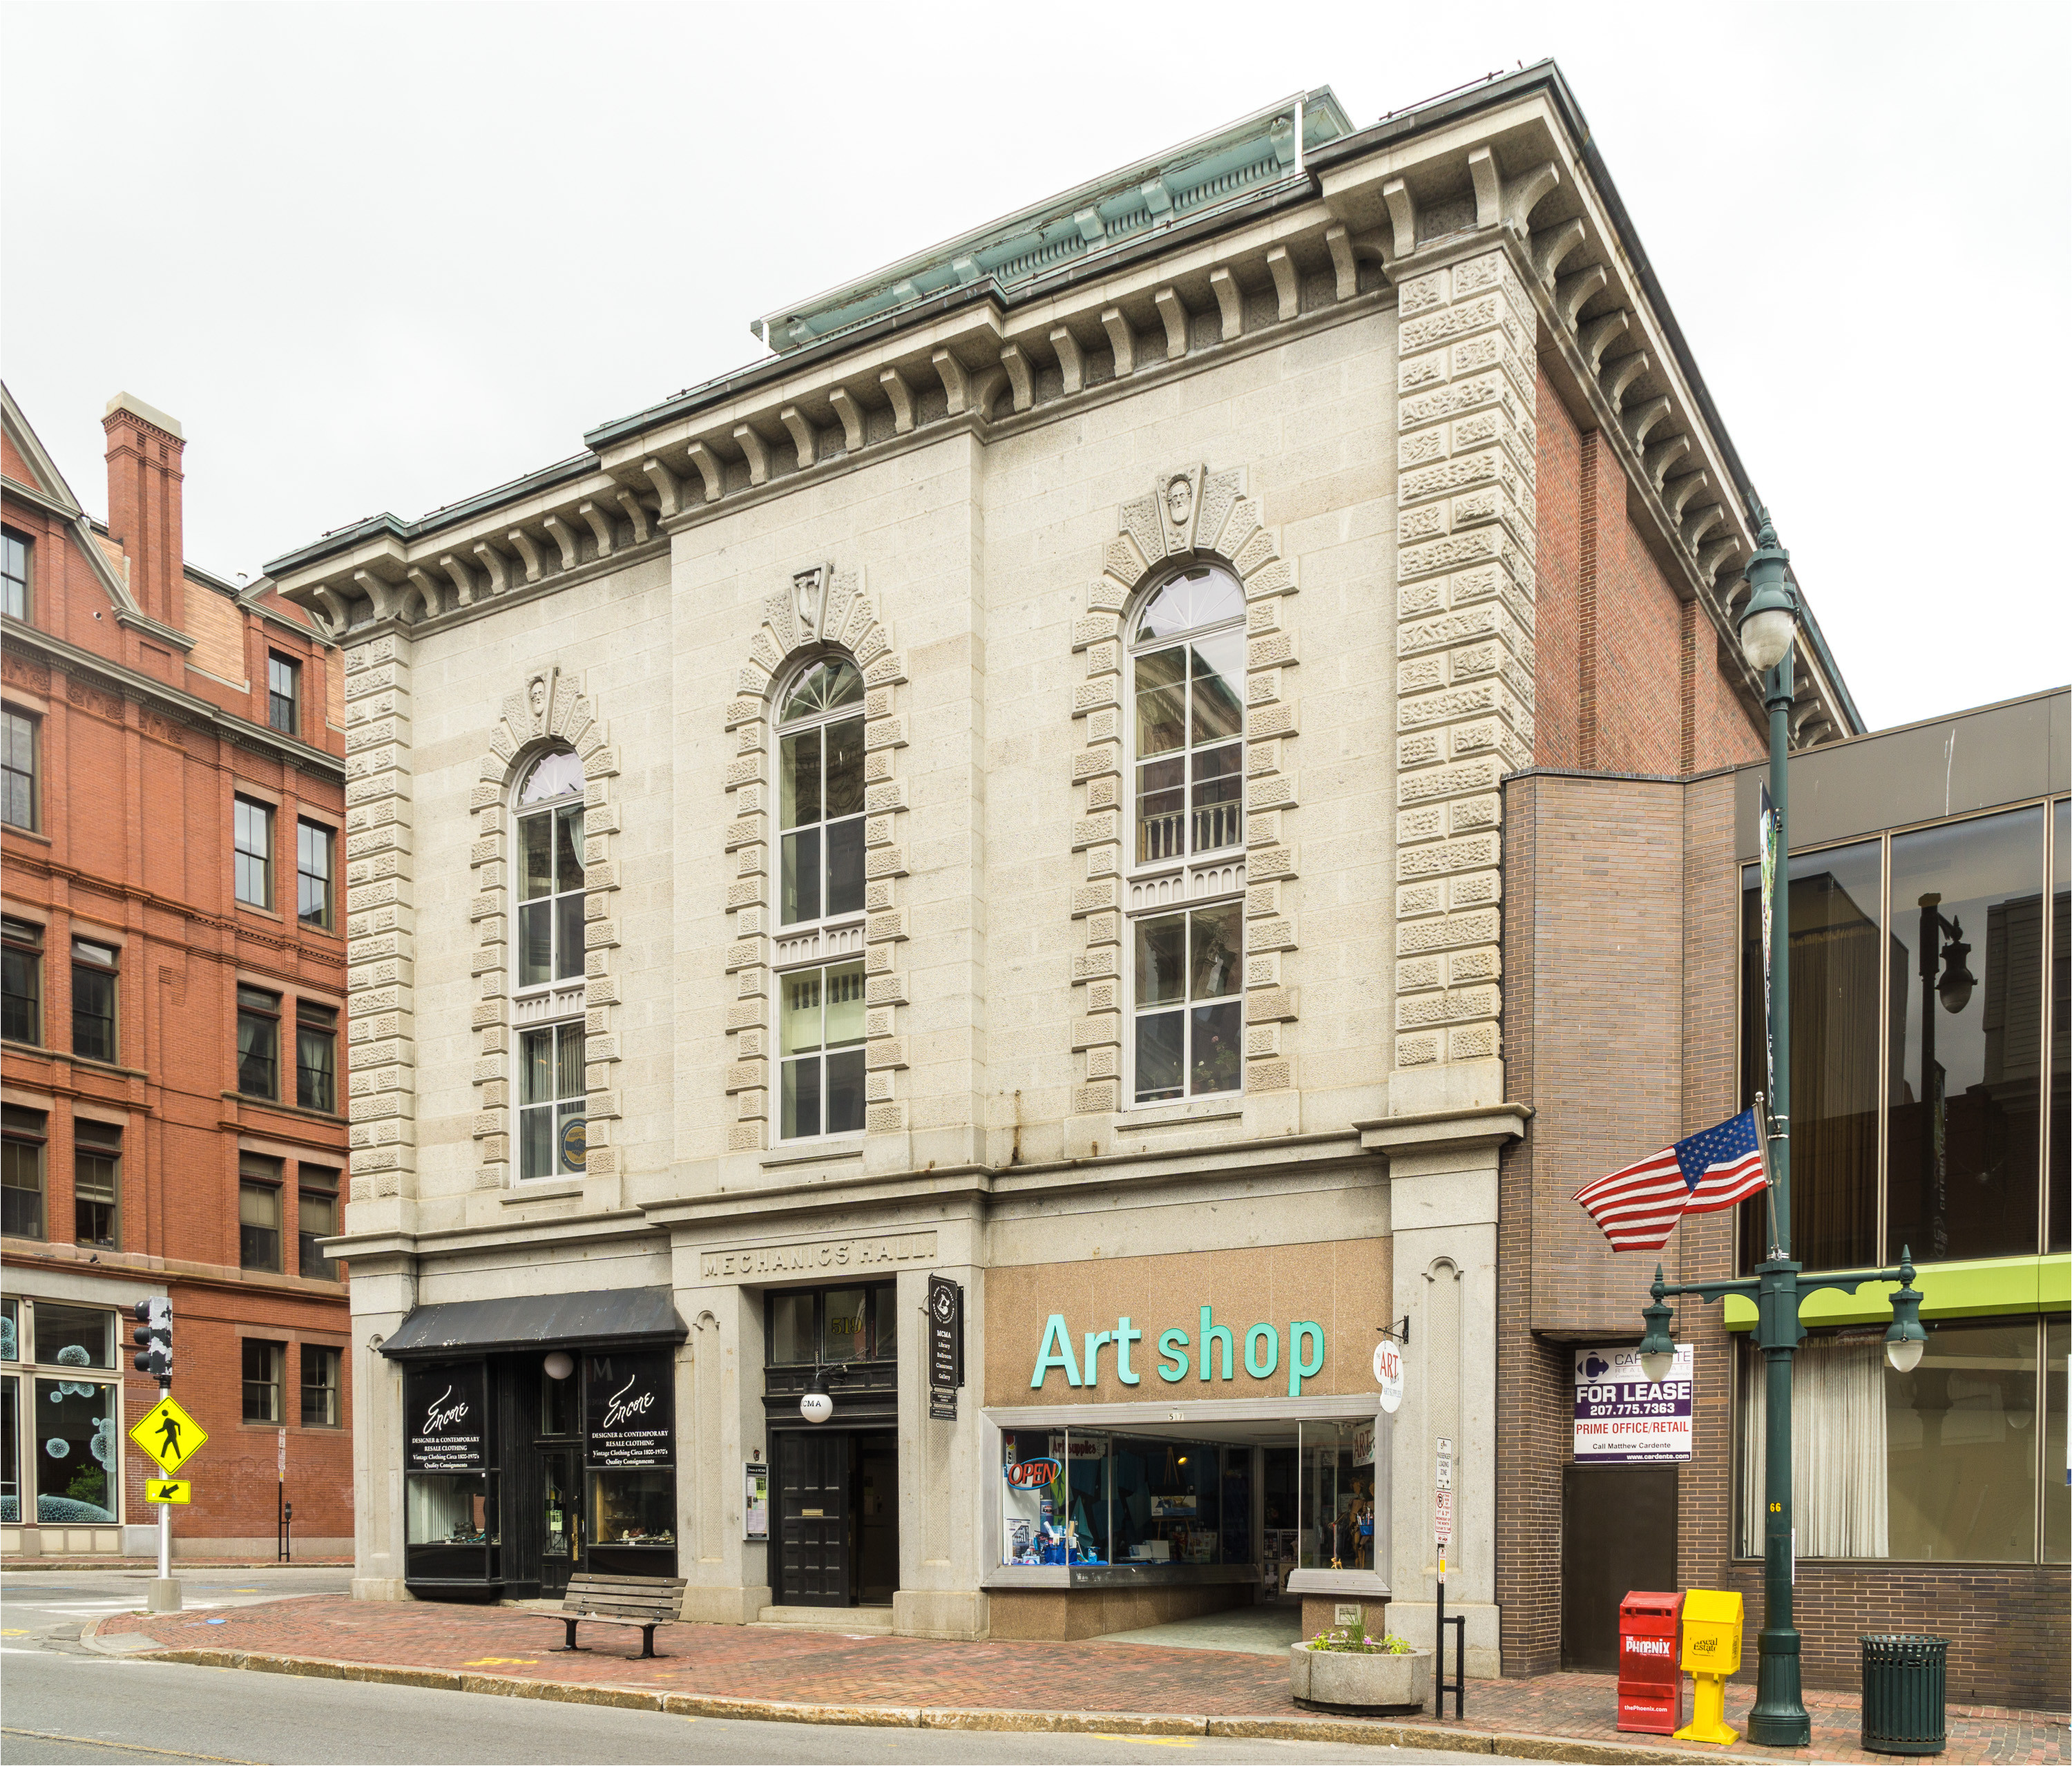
[168,1490]
[168,1436]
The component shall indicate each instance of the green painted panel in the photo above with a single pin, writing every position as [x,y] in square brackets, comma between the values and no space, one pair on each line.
[1982,1289]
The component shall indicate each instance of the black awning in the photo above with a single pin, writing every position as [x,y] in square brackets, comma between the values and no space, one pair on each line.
[601,1317]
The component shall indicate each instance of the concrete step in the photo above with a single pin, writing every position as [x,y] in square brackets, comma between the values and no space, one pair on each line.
[855,1621]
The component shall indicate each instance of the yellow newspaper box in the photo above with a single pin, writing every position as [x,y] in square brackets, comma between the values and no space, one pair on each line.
[1711,1651]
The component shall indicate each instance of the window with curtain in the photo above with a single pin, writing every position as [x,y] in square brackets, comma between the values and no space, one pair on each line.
[259,1212]
[258,1042]
[22,1141]
[1940,1464]
[264,1365]
[552,1101]
[316,1055]
[820,795]
[313,878]
[550,871]
[321,1387]
[94,1000]
[316,1201]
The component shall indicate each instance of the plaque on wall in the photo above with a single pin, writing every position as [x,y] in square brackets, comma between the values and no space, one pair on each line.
[446,1418]
[628,1410]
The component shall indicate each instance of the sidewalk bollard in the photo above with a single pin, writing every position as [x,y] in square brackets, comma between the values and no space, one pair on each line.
[1711,1651]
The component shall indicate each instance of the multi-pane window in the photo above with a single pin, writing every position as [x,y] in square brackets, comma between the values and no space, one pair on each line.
[22,1138]
[820,1024]
[17,769]
[265,1364]
[1190,1012]
[312,874]
[258,1042]
[94,1000]
[321,1408]
[97,1171]
[550,871]
[21,981]
[551,1101]
[316,1055]
[283,693]
[259,1212]
[316,1201]
[253,836]
[1188,685]
[820,786]
[13,573]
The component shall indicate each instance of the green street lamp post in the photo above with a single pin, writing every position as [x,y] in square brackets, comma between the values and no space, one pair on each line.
[1768,623]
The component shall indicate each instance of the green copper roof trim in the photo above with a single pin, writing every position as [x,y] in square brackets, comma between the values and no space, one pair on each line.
[1194,178]
[1988,1287]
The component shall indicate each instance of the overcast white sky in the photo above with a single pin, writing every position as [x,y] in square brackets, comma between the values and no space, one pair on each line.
[381,257]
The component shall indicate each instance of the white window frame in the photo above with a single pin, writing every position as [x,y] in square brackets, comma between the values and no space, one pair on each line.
[536,1003]
[553,1106]
[797,931]
[1156,887]
[853,953]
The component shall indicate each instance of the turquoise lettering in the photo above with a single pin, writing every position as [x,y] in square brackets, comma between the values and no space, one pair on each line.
[1300,1367]
[1061,1355]
[1172,1348]
[1272,1336]
[1123,1337]
[1210,1332]
[1095,1339]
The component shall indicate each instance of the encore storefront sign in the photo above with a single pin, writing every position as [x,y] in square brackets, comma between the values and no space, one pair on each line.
[1203,1351]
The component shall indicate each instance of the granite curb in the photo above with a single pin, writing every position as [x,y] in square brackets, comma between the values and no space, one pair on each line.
[1377,1733]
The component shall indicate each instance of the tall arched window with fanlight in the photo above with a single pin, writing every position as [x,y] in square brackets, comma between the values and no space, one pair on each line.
[1186,900]
[819,902]
[550,1085]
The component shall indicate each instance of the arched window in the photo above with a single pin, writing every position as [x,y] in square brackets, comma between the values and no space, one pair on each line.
[1188,670]
[1186,970]
[820,885]
[820,775]
[551,1083]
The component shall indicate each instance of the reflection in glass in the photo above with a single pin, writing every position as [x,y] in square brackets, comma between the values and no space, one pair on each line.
[72,1440]
[448,1507]
[819,1023]
[1183,959]
[10,1451]
[1965,1087]
[842,1333]
[2061,1029]
[1835,955]
[75,1336]
[1337,1496]
[2056,1494]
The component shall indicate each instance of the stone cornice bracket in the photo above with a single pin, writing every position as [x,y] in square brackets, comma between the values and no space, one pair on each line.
[1174,312]
[529,550]
[1190,512]
[902,397]
[1071,362]
[1402,216]
[1122,341]
[668,488]
[821,607]
[602,526]
[710,470]
[548,709]
[495,566]
[1019,376]
[1230,301]
[956,384]
[755,450]
[430,601]
[1508,203]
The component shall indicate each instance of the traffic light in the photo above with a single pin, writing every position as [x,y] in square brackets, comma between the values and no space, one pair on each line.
[154,1338]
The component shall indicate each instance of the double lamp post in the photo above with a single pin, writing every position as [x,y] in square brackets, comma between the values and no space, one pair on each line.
[1769,625]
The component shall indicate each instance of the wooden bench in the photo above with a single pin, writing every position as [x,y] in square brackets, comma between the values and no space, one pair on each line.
[645,1601]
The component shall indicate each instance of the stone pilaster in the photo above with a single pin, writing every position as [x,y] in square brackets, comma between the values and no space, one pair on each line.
[1464,641]
[380,935]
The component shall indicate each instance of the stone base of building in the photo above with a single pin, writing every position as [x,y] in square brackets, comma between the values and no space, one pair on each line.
[1415,1622]
[941,1613]
[724,1606]
[48,1541]
[380,1588]
[1064,1613]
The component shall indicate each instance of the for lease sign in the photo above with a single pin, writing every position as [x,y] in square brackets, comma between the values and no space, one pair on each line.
[1624,1418]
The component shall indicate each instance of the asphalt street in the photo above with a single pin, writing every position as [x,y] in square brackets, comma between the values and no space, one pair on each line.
[63,1704]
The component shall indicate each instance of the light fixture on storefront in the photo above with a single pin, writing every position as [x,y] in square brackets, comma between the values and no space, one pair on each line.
[815,1405]
[1771,616]
[1904,1338]
[559,1365]
[1658,1350]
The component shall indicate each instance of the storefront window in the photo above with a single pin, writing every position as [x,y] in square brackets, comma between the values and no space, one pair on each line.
[633,1508]
[2061,1026]
[1337,1496]
[1965,1088]
[449,1508]
[76,1445]
[832,1325]
[74,1336]
[2057,1470]
[10,1451]
[1936,1465]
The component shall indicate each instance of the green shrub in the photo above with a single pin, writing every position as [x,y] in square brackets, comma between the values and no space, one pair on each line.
[1352,1641]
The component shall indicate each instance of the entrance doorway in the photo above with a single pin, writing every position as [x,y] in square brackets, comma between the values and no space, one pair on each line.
[561,1530]
[837,1517]
[1618,1533]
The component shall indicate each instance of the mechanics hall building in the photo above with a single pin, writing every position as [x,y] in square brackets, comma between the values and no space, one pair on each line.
[1170,761]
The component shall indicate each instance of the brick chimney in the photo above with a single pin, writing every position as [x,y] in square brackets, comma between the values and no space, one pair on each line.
[144,477]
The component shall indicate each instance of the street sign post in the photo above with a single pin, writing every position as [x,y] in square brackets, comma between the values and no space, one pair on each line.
[168,1490]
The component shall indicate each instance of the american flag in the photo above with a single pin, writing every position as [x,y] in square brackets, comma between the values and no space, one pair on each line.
[1639,1206]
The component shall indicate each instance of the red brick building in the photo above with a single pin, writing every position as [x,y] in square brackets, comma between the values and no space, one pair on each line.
[173,1038]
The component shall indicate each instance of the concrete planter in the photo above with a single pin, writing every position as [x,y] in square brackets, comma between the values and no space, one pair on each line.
[1352,1683]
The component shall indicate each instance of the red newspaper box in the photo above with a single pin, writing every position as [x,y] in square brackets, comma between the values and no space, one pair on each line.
[1651,1685]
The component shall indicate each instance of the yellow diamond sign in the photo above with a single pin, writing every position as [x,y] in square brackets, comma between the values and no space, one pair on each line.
[168,1436]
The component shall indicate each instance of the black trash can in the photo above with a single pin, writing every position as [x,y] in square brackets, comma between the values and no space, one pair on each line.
[1905,1683]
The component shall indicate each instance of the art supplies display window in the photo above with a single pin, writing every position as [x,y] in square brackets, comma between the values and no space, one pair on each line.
[61,1460]
[1121,1500]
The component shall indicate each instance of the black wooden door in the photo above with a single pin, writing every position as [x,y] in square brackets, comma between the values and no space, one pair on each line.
[1619,1534]
[813,1508]
[561,1534]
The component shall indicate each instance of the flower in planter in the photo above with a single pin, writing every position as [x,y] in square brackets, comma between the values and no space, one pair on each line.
[1350,1639]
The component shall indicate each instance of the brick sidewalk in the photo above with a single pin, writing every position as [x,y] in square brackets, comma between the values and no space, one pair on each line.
[897,1679]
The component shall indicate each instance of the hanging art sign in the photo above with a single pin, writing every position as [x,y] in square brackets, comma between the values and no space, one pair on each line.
[627,1410]
[1623,1418]
[1388,1374]
[446,1418]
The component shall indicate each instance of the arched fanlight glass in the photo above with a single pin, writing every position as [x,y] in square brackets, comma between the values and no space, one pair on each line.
[1206,597]
[825,687]
[553,775]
